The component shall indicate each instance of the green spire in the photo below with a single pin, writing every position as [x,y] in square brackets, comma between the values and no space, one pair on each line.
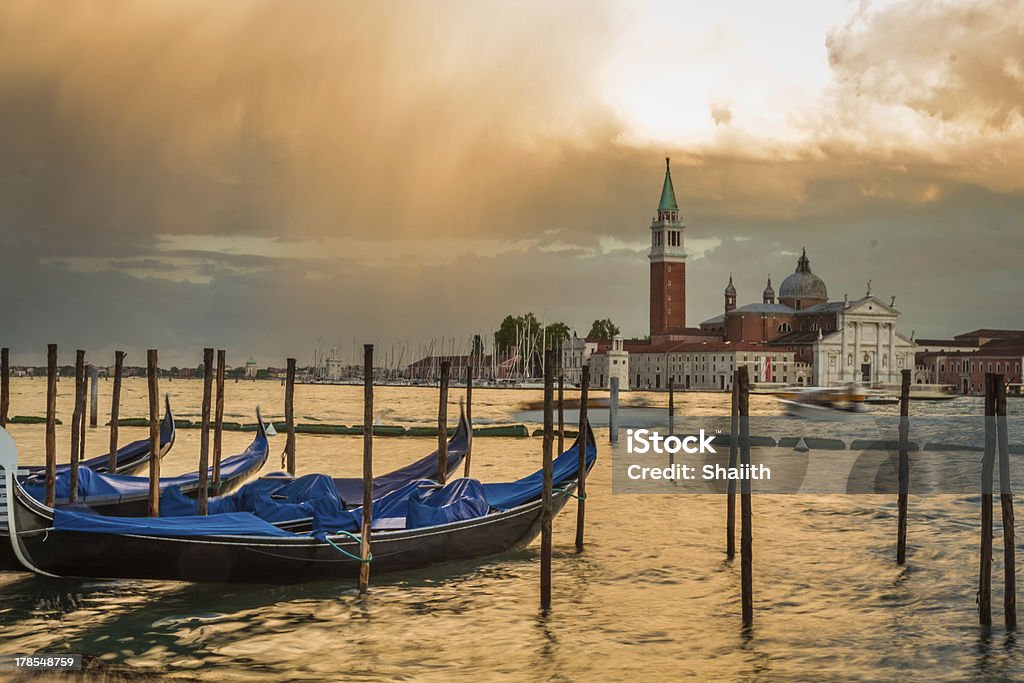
[668,193]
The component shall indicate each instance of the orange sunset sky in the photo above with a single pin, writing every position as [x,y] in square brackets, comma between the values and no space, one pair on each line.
[255,175]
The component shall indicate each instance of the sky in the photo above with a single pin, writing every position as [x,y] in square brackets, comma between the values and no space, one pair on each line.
[259,175]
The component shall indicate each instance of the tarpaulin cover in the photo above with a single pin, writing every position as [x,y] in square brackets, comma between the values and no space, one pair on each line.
[461,499]
[351,490]
[121,485]
[227,524]
[275,498]
[565,468]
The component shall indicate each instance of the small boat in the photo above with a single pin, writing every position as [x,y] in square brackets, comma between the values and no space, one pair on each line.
[489,519]
[879,397]
[823,403]
[598,413]
[131,458]
[932,392]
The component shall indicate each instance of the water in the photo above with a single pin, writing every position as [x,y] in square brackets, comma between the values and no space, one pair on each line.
[651,596]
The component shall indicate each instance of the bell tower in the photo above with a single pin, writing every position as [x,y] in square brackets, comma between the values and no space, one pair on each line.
[668,264]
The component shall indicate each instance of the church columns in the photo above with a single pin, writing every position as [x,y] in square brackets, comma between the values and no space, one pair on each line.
[842,355]
[892,353]
[877,365]
[856,352]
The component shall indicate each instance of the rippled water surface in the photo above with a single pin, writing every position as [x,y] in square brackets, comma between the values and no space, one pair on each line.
[652,595]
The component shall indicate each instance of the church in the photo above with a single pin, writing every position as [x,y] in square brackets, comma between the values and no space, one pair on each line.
[797,337]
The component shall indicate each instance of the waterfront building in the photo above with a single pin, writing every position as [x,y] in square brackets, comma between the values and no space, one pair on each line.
[963,361]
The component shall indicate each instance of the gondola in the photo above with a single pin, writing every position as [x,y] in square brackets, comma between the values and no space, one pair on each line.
[124,496]
[241,548]
[131,459]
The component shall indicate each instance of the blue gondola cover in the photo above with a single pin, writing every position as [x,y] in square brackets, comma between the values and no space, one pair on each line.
[459,500]
[227,524]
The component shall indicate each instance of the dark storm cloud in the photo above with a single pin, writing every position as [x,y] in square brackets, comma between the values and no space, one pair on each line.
[351,170]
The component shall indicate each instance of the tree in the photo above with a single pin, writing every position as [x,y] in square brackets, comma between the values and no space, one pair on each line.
[514,329]
[478,347]
[556,334]
[603,329]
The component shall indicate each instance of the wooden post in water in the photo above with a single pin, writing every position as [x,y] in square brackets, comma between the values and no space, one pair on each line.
[5,385]
[613,409]
[734,440]
[218,424]
[671,406]
[1006,503]
[77,420]
[561,410]
[469,414]
[115,411]
[204,436]
[546,513]
[746,533]
[289,416]
[442,424]
[82,409]
[904,469]
[51,423]
[987,467]
[154,432]
[364,537]
[94,396]
[581,471]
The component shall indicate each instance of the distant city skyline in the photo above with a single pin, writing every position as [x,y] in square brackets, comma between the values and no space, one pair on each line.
[403,172]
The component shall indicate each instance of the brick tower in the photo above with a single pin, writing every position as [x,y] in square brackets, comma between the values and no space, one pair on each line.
[668,265]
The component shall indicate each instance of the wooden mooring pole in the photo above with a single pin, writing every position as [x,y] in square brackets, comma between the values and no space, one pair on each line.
[94,396]
[1006,503]
[77,425]
[671,406]
[987,467]
[289,417]
[364,537]
[154,432]
[218,423]
[204,436]
[561,410]
[613,409]
[734,440]
[442,424]
[469,415]
[115,411]
[81,421]
[5,385]
[546,512]
[746,532]
[581,472]
[904,469]
[51,423]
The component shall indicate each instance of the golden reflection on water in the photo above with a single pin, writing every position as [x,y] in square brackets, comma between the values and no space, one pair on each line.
[651,596]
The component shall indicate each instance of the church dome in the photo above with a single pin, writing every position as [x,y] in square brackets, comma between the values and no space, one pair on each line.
[803,284]
[729,288]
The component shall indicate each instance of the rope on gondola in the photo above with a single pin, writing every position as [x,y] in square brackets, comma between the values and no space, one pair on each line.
[570,494]
[345,552]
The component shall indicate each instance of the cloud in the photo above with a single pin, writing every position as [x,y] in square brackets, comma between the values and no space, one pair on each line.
[260,174]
